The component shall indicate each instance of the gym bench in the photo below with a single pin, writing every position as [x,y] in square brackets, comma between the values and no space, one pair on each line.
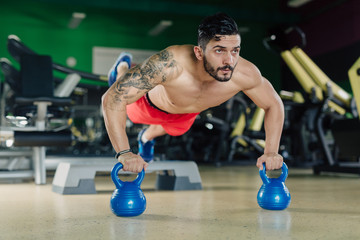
[76,175]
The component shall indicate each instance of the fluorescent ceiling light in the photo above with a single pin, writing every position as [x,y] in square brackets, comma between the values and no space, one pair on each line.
[76,19]
[297,3]
[160,27]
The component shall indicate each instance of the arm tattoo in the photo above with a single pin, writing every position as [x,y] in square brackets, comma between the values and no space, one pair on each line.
[156,70]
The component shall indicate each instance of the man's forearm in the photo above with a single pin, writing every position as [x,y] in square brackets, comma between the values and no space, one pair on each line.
[116,129]
[273,123]
[115,123]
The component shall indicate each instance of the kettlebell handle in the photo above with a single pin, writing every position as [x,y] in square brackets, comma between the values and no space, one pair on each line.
[118,183]
[282,177]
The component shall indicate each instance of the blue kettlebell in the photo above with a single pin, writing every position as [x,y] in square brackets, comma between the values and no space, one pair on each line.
[273,194]
[127,200]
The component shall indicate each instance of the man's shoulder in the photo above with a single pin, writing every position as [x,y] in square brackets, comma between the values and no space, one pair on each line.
[172,53]
[246,74]
[246,66]
[185,47]
[182,54]
[179,51]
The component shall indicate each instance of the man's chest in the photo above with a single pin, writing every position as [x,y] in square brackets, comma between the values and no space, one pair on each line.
[200,96]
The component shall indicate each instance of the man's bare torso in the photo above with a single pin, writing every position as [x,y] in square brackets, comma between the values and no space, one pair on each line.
[193,89]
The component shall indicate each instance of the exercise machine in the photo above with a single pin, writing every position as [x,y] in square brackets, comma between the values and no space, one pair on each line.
[37,109]
[333,112]
[343,155]
[248,136]
[32,108]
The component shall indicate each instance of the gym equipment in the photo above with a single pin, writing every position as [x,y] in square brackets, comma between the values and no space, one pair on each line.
[312,78]
[50,114]
[342,154]
[247,134]
[75,175]
[17,48]
[329,126]
[273,194]
[36,138]
[127,200]
[15,164]
[354,76]
[339,152]
[35,102]
[65,88]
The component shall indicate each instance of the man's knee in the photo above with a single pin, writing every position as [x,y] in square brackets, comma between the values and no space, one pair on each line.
[155,131]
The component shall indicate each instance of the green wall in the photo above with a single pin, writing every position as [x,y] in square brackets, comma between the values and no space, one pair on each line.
[42,26]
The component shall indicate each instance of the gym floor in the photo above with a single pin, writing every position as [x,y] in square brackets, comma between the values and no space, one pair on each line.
[322,207]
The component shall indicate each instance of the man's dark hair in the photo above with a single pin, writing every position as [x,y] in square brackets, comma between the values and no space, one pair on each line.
[218,24]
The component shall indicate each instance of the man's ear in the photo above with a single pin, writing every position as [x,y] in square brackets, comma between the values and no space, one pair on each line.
[198,52]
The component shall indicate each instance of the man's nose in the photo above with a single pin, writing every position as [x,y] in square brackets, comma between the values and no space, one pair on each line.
[228,59]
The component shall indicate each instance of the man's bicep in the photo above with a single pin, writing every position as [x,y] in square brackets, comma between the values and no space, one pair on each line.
[134,84]
[144,77]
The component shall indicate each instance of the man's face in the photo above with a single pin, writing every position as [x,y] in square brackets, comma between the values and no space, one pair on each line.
[220,57]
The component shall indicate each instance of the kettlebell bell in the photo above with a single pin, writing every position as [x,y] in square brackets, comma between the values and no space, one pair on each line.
[273,194]
[127,200]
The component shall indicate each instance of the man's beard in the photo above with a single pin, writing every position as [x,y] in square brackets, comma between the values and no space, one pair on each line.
[214,73]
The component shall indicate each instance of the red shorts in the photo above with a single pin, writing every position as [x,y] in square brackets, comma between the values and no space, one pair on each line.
[142,112]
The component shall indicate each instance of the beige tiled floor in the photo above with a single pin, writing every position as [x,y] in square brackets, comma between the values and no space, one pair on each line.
[322,207]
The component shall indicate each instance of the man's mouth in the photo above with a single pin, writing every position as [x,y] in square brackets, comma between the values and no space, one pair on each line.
[226,69]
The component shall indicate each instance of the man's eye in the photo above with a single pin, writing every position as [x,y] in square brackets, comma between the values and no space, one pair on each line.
[218,51]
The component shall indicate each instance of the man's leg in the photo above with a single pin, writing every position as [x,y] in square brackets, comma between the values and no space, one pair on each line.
[152,132]
[146,141]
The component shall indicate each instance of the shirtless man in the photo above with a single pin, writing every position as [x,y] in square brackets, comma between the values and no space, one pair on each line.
[170,88]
